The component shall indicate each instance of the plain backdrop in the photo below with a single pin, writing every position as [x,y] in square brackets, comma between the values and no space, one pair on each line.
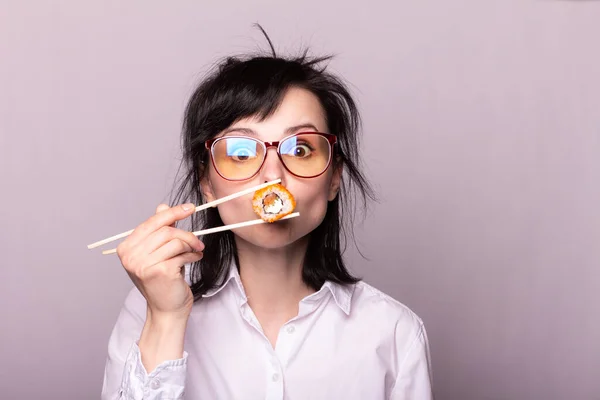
[481,135]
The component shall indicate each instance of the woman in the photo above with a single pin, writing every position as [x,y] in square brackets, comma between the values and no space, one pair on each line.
[268,311]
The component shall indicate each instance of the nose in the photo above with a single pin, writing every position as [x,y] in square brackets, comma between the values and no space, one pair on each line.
[272,167]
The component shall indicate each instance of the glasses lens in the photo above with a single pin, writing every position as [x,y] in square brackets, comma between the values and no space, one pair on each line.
[306,154]
[237,158]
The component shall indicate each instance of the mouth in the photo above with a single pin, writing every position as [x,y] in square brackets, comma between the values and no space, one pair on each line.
[273,203]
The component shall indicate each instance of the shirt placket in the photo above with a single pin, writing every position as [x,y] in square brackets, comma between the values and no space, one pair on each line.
[288,337]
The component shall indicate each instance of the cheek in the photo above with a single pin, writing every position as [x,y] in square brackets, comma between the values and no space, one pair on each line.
[231,212]
[312,202]
[236,210]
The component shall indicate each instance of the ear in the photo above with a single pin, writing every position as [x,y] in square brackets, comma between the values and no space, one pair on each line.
[206,187]
[336,181]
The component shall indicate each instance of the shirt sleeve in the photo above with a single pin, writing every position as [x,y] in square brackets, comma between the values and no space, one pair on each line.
[125,377]
[414,380]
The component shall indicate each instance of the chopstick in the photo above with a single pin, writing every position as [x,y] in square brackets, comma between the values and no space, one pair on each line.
[198,208]
[224,228]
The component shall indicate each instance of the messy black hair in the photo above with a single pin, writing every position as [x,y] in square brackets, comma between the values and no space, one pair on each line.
[254,85]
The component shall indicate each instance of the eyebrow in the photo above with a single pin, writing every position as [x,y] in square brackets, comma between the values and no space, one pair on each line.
[288,131]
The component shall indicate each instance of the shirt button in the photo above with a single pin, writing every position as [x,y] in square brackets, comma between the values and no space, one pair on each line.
[291,329]
[275,377]
[155,384]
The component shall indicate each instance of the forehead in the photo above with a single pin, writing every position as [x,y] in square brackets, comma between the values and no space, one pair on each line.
[300,110]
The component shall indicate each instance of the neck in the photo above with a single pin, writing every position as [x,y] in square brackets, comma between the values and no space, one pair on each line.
[272,278]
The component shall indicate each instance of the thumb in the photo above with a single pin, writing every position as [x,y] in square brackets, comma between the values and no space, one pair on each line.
[163,207]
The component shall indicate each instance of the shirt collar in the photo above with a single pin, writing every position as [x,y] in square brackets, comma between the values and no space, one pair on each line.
[342,294]
[233,276]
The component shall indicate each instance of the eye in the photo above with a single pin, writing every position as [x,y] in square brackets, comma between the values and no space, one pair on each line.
[241,154]
[300,151]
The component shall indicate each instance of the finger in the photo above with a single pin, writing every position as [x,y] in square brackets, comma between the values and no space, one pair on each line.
[163,207]
[171,268]
[157,221]
[169,250]
[177,263]
[164,235]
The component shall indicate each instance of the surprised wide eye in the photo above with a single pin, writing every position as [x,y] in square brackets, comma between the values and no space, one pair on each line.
[241,154]
[299,151]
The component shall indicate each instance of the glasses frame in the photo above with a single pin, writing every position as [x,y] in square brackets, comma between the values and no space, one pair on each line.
[331,138]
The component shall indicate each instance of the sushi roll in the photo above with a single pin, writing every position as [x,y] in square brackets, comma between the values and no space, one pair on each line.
[273,202]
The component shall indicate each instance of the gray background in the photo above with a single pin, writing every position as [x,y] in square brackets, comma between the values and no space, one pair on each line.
[482,126]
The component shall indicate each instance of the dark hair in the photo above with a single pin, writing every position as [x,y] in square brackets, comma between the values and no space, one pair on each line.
[254,85]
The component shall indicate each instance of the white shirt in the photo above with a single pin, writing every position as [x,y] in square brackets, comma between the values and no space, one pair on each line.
[347,342]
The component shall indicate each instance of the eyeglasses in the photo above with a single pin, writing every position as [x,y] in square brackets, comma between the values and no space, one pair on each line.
[305,154]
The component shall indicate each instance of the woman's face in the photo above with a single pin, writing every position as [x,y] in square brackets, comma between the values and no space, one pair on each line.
[300,111]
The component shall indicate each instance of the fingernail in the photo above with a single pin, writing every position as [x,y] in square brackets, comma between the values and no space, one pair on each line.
[187,207]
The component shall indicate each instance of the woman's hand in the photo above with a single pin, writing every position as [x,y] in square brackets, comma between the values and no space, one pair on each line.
[154,255]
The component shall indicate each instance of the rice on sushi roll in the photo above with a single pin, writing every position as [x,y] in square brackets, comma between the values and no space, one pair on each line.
[273,202]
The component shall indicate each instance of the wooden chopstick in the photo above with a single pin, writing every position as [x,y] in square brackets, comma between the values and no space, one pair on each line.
[224,228]
[198,208]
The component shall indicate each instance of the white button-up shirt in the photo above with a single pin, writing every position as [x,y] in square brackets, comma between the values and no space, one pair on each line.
[347,342]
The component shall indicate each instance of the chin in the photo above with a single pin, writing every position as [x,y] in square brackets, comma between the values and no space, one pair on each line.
[271,236]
